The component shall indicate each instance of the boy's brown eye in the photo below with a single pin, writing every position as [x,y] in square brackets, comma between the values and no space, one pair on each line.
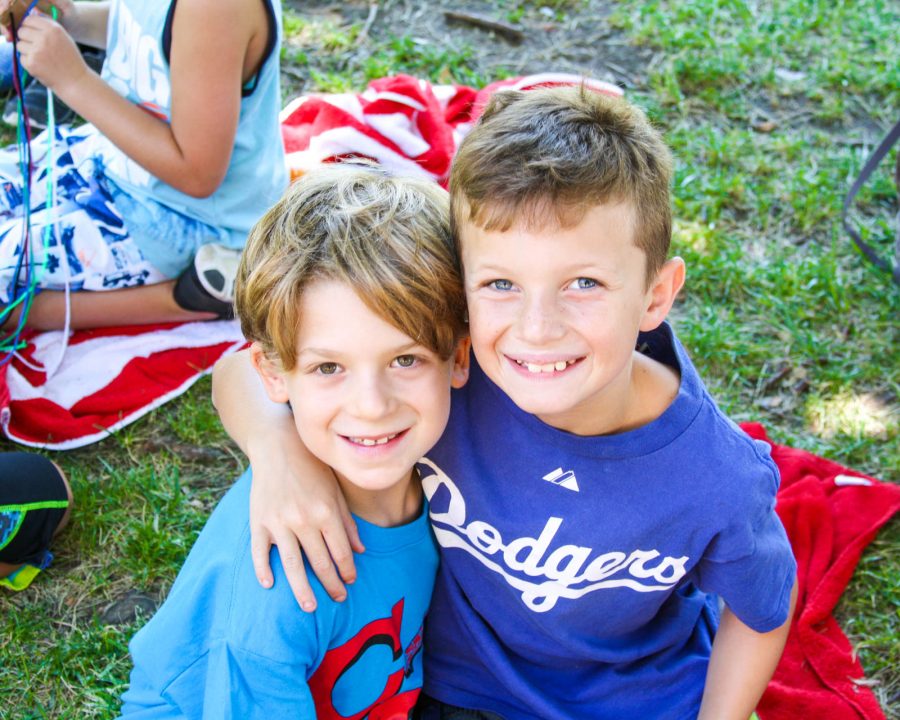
[327,368]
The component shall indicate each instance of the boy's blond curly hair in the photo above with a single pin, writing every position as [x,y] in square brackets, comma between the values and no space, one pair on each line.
[386,237]
[549,155]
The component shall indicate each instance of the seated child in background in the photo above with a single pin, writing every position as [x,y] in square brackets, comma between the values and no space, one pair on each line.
[351,295]
[591,502]
[35,504]
[182,156]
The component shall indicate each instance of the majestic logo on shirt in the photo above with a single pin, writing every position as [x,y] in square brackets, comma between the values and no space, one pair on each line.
[541,572]
[391,703]
[562,478]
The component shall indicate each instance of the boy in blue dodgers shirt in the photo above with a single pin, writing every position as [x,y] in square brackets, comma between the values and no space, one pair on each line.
[590,500]
[351,293]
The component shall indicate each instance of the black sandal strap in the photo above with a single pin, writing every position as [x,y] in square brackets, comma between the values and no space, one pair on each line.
[868,168]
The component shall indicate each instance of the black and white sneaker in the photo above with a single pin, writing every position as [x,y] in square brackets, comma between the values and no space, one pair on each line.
[34,97]
[208,284]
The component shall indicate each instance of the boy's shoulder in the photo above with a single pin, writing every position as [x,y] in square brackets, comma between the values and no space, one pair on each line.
[216,596]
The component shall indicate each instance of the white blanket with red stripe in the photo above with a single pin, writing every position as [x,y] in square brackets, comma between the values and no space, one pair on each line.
[110,378]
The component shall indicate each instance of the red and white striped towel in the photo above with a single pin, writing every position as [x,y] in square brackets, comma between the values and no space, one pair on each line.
[407,125]
[107,379]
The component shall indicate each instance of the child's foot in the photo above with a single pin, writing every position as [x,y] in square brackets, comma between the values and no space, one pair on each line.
[208,284]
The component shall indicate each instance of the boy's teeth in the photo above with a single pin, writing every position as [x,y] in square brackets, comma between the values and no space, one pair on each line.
[558,366]
[369,441]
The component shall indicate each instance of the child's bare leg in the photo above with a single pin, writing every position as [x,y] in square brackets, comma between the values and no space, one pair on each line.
[6,569]
[129,306]
[64,520]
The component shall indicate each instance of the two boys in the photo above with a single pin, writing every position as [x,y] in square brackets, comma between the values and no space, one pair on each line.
[590,500]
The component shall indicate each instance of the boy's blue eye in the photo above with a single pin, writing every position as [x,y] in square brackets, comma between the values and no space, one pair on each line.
[328,368]
[583,283]
[405,361]
[500,285]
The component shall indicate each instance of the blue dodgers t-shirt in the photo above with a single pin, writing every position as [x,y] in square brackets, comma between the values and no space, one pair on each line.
[578,574]
[221,646]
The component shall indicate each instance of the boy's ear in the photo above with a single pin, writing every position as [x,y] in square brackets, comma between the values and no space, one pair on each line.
[662,293]
[459,373]
[270,373]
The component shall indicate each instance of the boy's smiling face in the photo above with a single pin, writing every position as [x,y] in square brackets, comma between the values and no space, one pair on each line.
[368,400]
[554,314]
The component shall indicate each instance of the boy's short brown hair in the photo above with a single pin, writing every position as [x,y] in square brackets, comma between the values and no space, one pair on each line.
[550,154]
[386,237]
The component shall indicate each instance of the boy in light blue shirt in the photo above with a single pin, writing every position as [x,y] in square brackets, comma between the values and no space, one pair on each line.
[351,295]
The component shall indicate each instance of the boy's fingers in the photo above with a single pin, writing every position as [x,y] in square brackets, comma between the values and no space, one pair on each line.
[292,562]
[350,527]
[341,554]
[322,565]
[260,543]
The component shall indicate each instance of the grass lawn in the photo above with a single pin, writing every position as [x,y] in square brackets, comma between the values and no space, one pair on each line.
[771,108]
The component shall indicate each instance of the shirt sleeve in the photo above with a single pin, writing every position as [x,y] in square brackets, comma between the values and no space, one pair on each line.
[750,563]
[229,682]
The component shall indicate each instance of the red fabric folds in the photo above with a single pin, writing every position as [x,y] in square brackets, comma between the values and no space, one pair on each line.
[830,513]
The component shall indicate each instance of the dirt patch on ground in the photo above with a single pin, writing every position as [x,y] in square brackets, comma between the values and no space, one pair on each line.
[575,38]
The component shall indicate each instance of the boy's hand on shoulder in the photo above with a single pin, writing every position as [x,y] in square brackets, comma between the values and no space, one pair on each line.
[301,516]
[49,53]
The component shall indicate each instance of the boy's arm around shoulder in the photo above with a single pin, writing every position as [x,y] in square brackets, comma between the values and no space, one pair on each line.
[295,502]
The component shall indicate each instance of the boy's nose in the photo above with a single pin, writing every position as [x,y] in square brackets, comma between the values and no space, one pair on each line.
[540,321]
[371,398]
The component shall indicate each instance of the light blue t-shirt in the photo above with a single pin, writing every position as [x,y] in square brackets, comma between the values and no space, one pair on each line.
[137,67]
[221,646]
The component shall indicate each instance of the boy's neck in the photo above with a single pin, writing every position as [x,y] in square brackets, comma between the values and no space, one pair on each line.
[399,504]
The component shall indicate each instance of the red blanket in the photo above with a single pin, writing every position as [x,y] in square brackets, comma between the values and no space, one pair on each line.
[106,379]
[830,514]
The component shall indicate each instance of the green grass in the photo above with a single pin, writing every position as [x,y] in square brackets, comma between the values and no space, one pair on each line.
[141,497]
[329,57]
[787,322]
